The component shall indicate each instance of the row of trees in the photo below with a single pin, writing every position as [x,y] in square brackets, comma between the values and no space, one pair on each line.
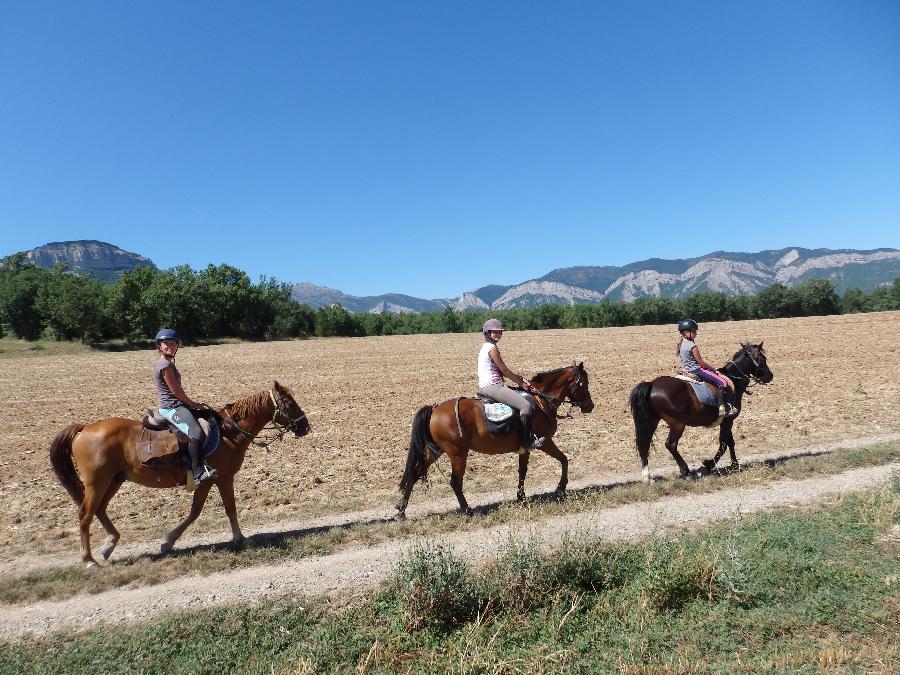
[221,301]
[815,297]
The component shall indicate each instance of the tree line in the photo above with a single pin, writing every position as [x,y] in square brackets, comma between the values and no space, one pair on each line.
[221,301]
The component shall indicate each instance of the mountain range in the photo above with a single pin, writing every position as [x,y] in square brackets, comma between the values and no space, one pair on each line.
[725,272]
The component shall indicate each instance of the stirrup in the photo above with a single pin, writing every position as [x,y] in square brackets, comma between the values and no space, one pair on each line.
[205,473]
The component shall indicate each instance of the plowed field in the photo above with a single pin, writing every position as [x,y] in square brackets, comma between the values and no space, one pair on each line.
[835,377]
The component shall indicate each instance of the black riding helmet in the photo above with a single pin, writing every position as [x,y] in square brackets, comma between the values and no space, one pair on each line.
[688,324]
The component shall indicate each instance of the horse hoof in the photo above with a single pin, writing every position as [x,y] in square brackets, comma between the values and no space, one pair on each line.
[709,465]
[468,512]
[559,495]
[735,466]
[105,552]
[520,496]
[400,516]
[91,565]
[165,548]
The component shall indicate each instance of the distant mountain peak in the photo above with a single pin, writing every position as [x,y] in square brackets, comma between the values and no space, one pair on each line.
[88,256]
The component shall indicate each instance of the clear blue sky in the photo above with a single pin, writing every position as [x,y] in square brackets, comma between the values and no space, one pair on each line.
[434,147]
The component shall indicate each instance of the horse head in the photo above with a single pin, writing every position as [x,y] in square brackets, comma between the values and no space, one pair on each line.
[578,392]
[287,412]
[751,362]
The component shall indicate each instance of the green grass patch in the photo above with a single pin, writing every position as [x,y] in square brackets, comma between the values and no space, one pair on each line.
[803,591]
[133,571]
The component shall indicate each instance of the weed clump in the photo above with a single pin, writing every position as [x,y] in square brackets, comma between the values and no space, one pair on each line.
[436,589]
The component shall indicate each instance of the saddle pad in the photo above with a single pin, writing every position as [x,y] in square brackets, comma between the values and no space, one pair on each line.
[704,393]
[497,412]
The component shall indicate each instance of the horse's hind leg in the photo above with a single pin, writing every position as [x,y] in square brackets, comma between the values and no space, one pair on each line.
[200,495]
[675,432]
[112,534]
[550,448]
[457,471]
[89,505]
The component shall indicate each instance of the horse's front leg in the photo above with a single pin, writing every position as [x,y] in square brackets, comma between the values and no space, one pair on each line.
[523,471]
[226,490]
[724,436]
[457,471]
[550,448]
[200,495]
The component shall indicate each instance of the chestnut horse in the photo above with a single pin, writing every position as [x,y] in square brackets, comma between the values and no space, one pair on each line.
[93,461]
[456,426]
[674,401]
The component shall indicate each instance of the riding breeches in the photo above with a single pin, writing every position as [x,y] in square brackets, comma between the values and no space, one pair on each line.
[711,377]
[502,393]
[184,419]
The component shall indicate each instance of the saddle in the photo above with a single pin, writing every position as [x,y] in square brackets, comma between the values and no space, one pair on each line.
[162,444]
[499,418]
[707,393]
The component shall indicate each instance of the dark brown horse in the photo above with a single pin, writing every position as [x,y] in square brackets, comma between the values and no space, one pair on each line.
[93,461]
[456,426]
[674,400]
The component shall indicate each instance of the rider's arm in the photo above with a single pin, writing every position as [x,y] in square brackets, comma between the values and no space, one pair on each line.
[695,352]
[175,388]
[505,371]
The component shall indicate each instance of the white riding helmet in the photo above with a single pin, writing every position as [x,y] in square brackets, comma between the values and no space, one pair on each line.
[491,324]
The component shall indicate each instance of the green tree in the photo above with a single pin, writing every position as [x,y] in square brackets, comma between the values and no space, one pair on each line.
[20,284]
[74,307]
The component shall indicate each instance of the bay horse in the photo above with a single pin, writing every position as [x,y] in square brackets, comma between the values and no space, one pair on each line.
[456,426]
[673,400]
[93,461]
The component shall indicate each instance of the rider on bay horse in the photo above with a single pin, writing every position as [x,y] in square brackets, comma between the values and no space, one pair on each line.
[693,364]
[492,370]
[175,405]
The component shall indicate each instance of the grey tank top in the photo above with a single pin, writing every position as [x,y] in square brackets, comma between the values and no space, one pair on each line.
[165,397]
[688,363]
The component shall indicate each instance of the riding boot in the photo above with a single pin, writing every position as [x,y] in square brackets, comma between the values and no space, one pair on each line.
[529,439]
[201,471]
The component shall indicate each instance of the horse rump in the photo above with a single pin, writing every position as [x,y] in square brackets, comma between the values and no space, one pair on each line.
[421,442]
[63,466]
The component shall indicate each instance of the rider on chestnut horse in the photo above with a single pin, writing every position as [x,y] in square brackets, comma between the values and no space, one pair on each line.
[175,405]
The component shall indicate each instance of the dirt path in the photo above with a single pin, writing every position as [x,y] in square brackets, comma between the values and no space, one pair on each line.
[359,567]
[421,505]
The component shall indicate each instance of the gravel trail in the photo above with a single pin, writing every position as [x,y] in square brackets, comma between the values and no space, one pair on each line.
[364,566]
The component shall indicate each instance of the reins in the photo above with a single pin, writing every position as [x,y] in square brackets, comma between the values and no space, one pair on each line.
[555,403]
[752,378]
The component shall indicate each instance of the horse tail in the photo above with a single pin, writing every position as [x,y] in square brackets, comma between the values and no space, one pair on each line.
[63,466]
[417,461]
[645,421]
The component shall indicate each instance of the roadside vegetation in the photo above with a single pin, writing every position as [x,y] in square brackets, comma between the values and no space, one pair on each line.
[146,570]
[221,301]
[801,591]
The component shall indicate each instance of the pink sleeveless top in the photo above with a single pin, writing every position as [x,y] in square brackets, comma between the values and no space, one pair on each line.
[488,372]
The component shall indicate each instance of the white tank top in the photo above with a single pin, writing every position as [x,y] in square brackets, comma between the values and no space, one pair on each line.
[488,372]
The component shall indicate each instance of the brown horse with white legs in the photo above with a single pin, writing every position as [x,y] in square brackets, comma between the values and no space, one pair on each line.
[93,461]
[673,400]
[456,426]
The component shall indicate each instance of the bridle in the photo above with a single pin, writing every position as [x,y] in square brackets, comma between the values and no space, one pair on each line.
[752,376]
[280,429]
[572,388]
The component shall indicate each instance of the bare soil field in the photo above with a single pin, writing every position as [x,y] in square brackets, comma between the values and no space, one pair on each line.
[835,377]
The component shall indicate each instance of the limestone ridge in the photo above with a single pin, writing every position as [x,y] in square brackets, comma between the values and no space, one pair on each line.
[104,261]
[723,272]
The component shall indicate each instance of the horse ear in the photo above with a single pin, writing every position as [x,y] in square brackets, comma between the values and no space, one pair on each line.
[760,343]
[581,366]
[275,384]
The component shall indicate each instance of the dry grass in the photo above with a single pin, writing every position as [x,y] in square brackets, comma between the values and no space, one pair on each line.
[835,377]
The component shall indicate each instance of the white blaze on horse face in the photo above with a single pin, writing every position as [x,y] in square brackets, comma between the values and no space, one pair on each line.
[645,474]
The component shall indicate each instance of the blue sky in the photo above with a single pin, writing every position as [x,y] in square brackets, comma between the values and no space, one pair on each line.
[434,147]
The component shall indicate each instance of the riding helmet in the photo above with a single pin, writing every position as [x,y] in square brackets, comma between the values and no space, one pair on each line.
[491,324]
[167,334]
[688,324]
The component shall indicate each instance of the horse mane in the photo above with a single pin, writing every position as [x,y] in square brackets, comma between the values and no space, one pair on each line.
[540,377]
[249,405]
